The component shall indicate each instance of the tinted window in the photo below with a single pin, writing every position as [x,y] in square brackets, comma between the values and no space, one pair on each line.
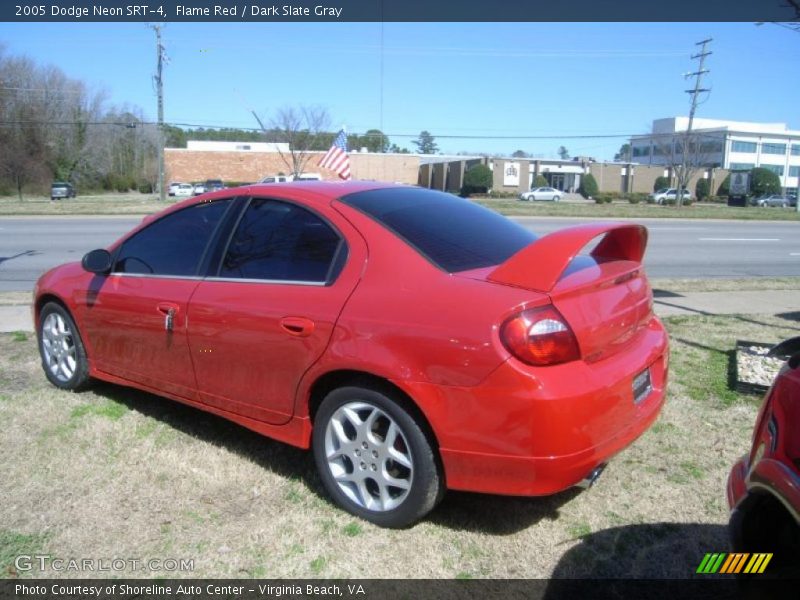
[280,241]
[174,244]
[453,233]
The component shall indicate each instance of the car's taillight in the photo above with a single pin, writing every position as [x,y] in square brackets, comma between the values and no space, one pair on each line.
[540,337]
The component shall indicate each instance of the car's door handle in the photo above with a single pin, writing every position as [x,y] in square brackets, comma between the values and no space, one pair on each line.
[297,326]
[169,311]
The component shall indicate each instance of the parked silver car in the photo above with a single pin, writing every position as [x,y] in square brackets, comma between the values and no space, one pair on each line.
[542,193]
[774,200]
[666,194]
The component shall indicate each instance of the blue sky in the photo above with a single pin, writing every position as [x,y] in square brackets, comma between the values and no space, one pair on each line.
[452,79]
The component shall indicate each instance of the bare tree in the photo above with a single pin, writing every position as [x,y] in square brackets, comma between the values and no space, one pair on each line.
[304,129]
[686,155]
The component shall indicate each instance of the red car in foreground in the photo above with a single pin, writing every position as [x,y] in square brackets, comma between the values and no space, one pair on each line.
[764,485]
[415,340]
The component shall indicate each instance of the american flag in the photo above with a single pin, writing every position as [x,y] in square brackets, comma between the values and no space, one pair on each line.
[336,159]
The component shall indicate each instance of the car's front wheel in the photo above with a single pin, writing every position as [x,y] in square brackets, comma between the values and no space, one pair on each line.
[61,348]
[374,458]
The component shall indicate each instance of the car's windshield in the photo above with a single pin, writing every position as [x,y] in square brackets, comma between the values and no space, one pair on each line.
[453,233]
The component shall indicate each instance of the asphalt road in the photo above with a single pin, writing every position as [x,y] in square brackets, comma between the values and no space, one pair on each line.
[678,248]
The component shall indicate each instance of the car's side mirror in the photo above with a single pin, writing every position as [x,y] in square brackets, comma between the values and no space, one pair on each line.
[97,261]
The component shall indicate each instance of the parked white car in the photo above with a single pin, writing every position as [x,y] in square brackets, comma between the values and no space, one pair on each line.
[542,193]
[173,188]
[665,194]
[199,188]
[184,190]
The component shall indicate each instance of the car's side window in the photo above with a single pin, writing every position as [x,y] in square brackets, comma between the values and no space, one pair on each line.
[174,244]
[279,241]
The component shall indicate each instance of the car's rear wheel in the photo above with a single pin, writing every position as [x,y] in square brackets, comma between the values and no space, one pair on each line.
[374,458]
[61,348]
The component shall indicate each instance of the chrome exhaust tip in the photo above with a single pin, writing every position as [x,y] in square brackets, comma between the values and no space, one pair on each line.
[589,480]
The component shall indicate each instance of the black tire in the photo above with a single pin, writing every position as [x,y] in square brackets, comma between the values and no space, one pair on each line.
[426,486]
[78,376]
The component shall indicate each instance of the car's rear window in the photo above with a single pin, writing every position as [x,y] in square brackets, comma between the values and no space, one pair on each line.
[453,233]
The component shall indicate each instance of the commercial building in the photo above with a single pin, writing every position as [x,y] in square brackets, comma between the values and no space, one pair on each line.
[732,145]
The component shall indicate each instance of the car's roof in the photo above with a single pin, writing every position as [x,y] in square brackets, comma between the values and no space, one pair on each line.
[310,192]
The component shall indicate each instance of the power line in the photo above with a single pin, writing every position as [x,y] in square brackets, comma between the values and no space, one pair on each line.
[208,127]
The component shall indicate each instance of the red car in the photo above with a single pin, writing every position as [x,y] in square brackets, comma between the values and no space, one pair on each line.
[764,485]
[415,340]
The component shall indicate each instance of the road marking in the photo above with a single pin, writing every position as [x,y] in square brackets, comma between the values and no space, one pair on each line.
[739,239]
[794,253]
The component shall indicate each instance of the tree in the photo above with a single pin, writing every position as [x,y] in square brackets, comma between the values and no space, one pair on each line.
[395,149]
[477,179]
[303,129]
[764,182]
[540,181]
[701,189]
[686,154]
[520,154]
[660,183]
[375,141]
[425,143]
[563,153]
[624,154]
[588,187]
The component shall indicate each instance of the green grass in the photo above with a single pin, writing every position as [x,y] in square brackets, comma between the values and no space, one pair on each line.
[14,544]
[352,529]
[107,409]
[625,210]
[19,336]
[317,565]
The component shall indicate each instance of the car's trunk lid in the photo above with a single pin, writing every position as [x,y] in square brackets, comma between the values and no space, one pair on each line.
[604,294]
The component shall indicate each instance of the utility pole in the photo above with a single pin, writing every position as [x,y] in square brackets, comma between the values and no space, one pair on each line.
[159,80]
[698,75]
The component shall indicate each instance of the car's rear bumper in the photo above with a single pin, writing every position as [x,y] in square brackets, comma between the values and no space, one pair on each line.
[527,431]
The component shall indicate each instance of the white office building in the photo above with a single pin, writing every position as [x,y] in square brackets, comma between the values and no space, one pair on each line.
[728,144]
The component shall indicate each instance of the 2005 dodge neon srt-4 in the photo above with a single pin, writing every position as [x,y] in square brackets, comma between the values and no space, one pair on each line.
[414,340]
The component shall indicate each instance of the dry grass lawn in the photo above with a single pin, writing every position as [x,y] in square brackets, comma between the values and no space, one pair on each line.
[98,204]
[115,473]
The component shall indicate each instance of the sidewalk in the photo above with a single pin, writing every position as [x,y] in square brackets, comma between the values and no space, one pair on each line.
[769,302]
[765,302]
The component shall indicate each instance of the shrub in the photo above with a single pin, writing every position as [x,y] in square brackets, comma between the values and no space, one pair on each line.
[540,181]
[603,198]
[660,183]
[588,187]
[477,179]
[145,187]
[702,189]
[637,197]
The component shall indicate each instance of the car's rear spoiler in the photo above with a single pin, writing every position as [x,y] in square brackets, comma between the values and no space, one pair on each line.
[540,264]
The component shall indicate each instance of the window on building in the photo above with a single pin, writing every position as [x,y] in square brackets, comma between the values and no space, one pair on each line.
[741,166]
[174,244]
[795,149]
[773,148]
[710,147]
[641,150]
[794,171]
[283,242]
[243,147]
[739,146]
[777,169]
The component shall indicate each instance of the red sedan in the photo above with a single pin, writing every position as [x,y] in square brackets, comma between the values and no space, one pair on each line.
[415,340]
